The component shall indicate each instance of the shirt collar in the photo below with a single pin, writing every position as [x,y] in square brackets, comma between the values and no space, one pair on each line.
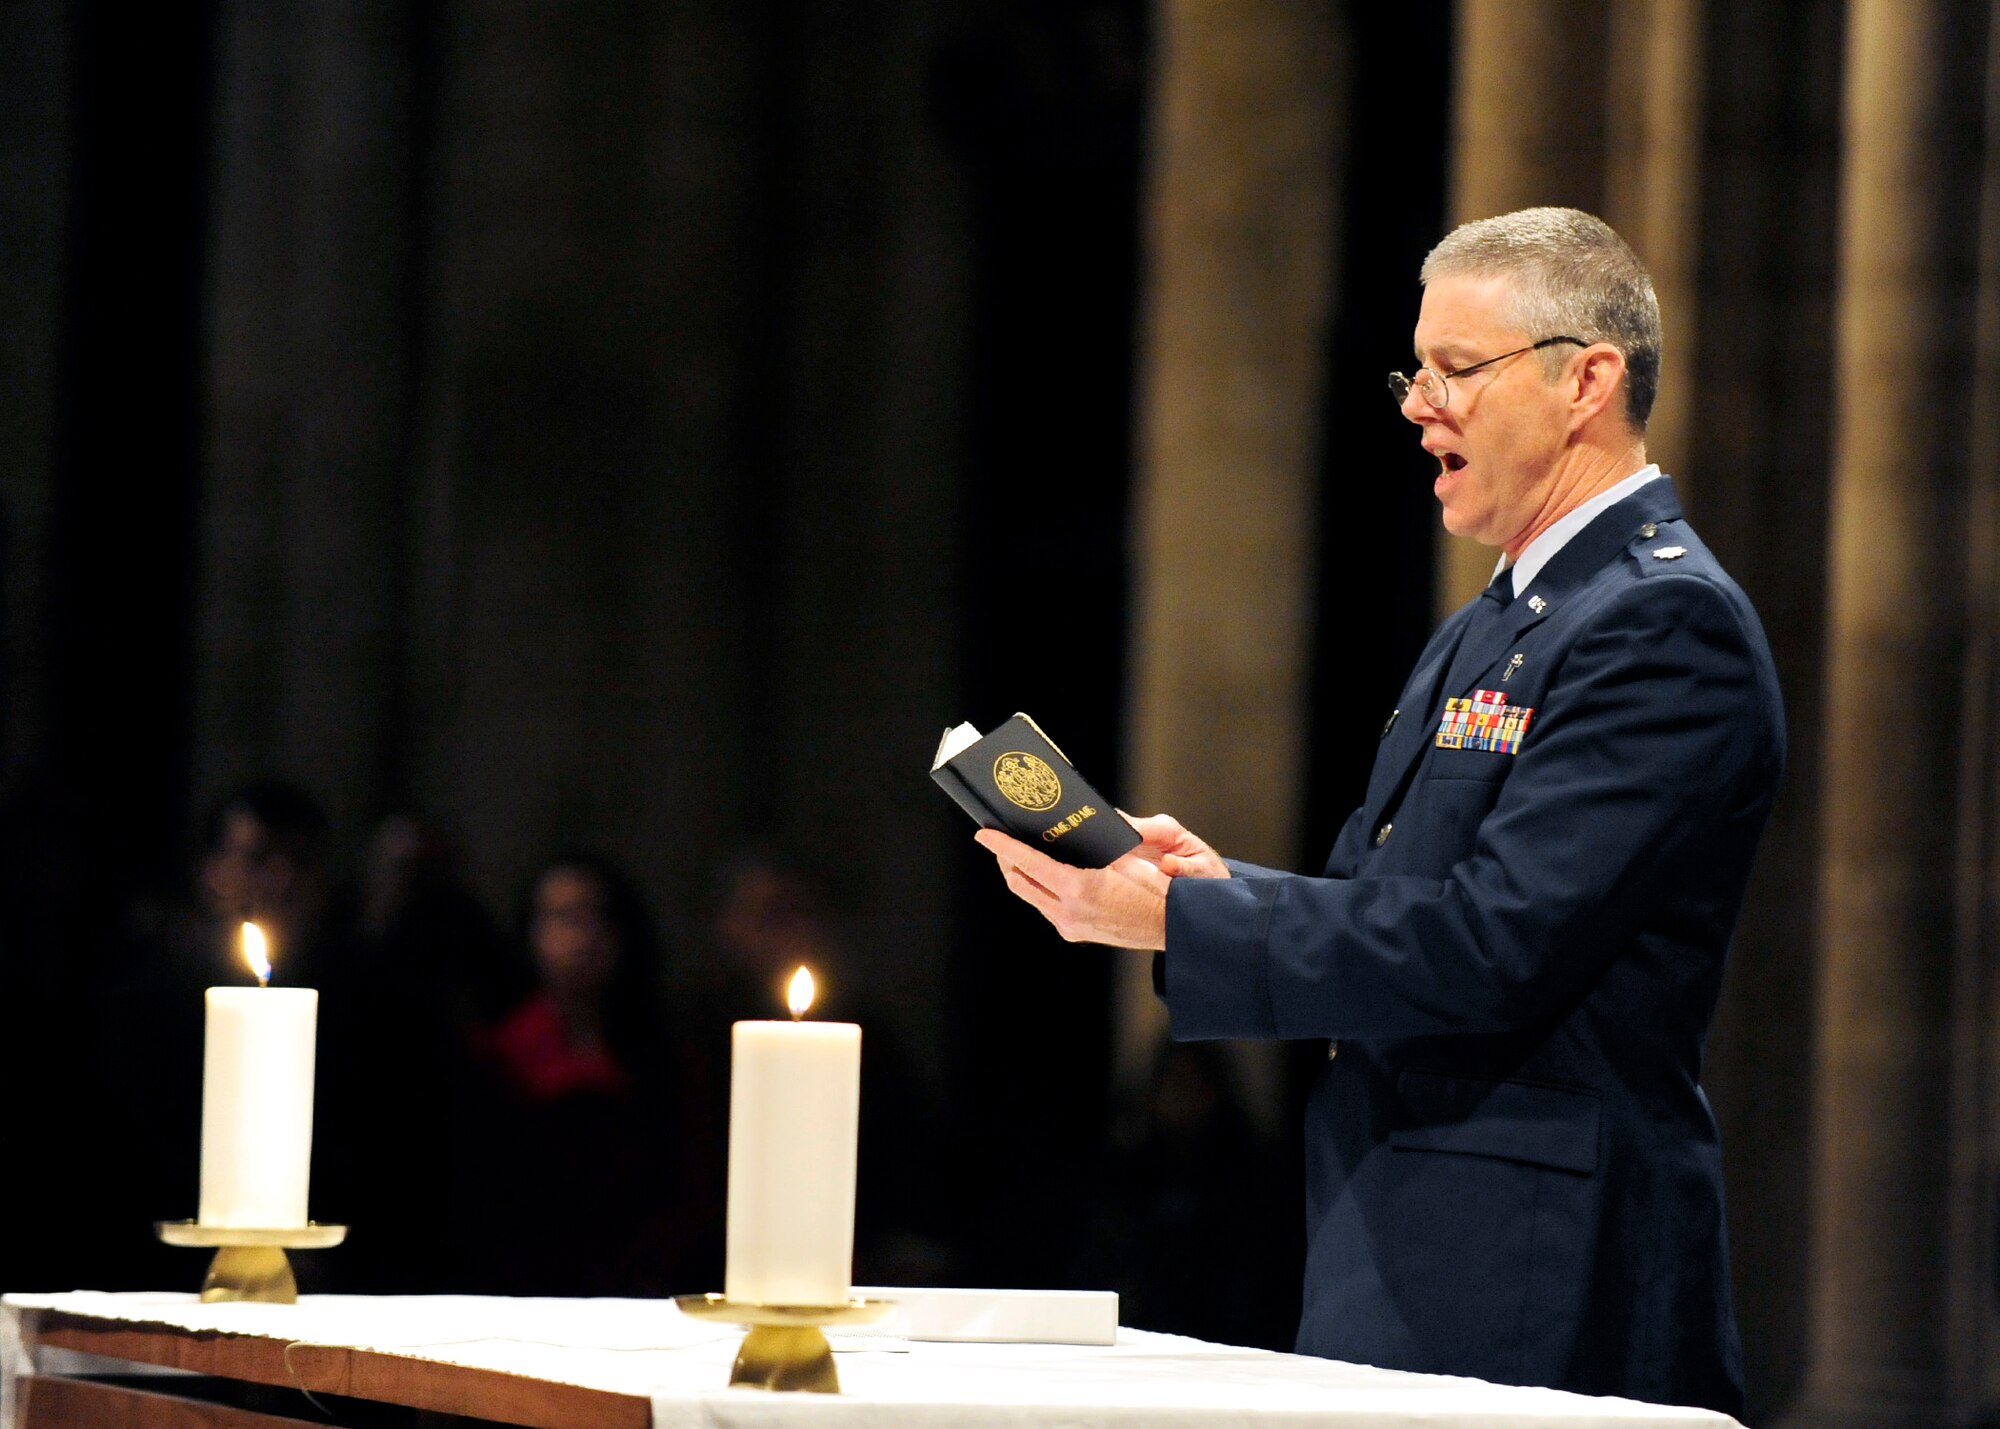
[1540,550]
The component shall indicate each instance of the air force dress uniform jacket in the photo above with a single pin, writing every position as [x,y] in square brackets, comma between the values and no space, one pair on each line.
[1515,951]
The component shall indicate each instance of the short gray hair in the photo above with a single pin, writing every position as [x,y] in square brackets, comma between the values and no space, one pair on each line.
[1571,274]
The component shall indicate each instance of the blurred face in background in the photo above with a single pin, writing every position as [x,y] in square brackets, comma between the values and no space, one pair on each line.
[770,923]
[574,944]
[251,873]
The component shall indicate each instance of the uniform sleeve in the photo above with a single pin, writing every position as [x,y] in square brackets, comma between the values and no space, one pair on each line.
[1657,734]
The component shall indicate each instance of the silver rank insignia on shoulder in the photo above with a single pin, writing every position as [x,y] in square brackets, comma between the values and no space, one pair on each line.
[1670,553]
[1537,604]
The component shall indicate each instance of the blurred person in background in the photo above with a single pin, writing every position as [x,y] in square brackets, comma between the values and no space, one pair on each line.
[417,962]
[261,855]
[773,914]
[586,1163]
[264,861]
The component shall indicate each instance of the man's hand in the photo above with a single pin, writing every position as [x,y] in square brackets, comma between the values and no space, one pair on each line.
[1123,905]
[1176,851]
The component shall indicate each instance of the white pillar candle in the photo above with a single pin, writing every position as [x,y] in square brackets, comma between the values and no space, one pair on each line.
[794,1115]
[256,1106]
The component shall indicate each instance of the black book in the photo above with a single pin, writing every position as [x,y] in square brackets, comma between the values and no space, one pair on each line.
[1017,781]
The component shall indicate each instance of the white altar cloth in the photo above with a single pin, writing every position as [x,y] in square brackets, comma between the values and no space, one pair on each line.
[650,1349]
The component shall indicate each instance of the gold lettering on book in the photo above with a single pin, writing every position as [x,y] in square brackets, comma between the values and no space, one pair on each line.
[1062,826]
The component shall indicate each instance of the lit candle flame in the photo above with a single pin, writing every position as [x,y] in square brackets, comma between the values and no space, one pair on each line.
[800,994]
[256,953]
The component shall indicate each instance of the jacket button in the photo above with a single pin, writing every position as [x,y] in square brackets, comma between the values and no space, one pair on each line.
[1382,834]
[1649,530]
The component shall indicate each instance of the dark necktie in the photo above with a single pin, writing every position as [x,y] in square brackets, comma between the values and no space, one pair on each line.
[1487,613]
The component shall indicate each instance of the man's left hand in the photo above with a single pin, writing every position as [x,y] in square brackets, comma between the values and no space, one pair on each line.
[1122,905]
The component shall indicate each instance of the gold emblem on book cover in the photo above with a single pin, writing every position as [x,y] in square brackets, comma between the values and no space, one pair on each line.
[1027,781]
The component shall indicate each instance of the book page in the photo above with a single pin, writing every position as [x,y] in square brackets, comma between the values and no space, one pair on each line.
[959,737]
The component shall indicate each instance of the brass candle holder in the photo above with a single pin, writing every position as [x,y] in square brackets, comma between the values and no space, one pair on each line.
[785,1347]
[250,1263]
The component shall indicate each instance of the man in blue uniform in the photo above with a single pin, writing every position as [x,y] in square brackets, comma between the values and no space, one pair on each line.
[1515,947]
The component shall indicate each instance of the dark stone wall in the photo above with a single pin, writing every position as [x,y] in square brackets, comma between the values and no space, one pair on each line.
[581,394]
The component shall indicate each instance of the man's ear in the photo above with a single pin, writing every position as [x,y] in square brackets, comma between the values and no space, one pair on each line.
[1598,373]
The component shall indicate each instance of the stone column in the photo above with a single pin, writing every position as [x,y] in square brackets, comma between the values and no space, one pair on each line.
[1531,73]
[885,280]
[307,411]
[1652,188]
[579,574]
[1973,1302]
[1238,248]
[1878,1350]
[1763,352]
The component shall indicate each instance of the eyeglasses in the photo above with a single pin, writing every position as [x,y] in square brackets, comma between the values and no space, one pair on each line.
[1430,382]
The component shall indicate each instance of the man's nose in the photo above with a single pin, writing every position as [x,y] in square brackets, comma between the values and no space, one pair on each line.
[1417,407]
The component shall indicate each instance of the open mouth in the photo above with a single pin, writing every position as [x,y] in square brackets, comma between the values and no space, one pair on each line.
[1453,461]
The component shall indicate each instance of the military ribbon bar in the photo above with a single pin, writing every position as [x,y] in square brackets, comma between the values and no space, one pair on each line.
[1485,722]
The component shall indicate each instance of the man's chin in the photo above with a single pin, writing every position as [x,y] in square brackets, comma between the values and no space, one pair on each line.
[1445,486]
[1464,526]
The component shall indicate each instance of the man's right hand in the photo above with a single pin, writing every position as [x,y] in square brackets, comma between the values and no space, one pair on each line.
[1176,852]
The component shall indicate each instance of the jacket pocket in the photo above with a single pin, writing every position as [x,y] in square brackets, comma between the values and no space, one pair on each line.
[1531,1122]
[1485,764]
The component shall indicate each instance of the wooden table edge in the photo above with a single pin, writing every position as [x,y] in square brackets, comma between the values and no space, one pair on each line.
[59,1402]
[379,1375]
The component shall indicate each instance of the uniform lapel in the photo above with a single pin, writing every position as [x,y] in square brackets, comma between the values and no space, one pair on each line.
[1489,653]
[1476,654]
[1416,719]
[1413,727]
[1488,645]
[1407,737]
